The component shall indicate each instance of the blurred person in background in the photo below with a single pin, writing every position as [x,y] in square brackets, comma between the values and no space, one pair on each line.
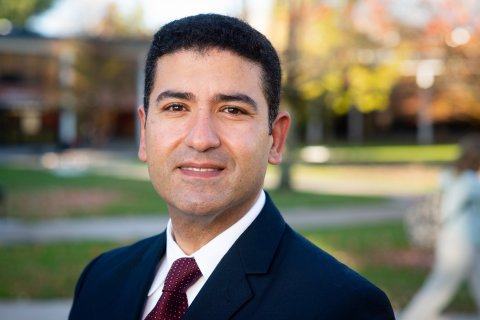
[457,248]
[210,125]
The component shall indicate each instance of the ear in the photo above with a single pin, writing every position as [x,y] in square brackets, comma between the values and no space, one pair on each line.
[279,134]
[142,148]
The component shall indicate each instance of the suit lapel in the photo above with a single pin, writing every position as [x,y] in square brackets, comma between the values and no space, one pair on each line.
[223,293]
[140,278]
[229,287]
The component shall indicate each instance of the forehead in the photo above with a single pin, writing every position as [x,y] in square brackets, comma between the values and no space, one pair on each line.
[215,62]
[208,72]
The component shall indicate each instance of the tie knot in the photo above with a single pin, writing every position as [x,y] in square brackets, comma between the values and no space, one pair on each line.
[183,273]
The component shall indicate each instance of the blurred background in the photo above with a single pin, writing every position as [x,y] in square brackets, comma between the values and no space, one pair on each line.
[380,91]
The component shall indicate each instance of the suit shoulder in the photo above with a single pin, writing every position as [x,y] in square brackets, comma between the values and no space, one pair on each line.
[136,249]
[127,270]
[343,292]
[319,265]
[121,258]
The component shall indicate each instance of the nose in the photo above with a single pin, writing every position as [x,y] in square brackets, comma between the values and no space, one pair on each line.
[202,134]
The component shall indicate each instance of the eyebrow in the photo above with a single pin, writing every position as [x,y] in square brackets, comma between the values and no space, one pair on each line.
[174,94]
[236,97]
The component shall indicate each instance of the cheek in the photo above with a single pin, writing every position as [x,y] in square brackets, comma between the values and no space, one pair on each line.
[160,135]
[253,149]
[258,142]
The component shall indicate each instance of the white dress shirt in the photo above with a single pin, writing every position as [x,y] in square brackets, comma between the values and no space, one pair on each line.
[207,257]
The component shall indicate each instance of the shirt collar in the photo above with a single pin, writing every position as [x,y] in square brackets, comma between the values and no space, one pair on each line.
[208,256]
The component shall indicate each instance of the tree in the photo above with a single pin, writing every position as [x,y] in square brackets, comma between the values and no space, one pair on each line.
[333,66]
[115,24]
[345,57]
[19,11]
[292,97]
[447,39]
[352,75]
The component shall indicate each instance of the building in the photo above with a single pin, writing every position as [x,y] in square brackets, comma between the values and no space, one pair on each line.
[69,92]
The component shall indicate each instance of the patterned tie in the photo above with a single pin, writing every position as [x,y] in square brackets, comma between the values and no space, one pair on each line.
[173,303]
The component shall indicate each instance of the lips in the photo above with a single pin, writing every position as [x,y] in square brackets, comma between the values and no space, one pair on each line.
[201,170]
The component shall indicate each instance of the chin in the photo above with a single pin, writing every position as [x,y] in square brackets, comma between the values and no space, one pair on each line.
[200,207]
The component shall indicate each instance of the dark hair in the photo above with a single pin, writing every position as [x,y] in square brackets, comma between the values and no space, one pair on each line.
[207,31]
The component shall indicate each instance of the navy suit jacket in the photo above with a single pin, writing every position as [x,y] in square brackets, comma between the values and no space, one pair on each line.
[271,272]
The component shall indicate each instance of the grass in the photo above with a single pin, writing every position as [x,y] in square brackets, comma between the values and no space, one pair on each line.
[393,153]
[38,194]
[380,179]
[45,270]
[382,254]
[51,270]
[295,199]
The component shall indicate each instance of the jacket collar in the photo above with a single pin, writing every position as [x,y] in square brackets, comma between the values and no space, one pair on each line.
[143,274]
[252,253]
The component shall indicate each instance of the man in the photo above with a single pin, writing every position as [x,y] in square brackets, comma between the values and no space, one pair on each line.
[210,125]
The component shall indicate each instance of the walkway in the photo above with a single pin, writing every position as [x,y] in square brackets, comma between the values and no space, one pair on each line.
[137,227]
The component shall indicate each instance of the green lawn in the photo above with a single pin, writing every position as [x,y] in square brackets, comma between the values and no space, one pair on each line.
[45,271]
[383,255]
[51,270]
[393,153]
[38,194]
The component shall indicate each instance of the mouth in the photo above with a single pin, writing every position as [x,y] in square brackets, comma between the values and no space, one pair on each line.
[201,170]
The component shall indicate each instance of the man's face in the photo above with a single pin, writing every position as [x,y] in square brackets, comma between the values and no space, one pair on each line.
[206,138]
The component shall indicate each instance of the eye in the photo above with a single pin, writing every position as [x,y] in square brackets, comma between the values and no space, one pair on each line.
[175,107]
[233,110]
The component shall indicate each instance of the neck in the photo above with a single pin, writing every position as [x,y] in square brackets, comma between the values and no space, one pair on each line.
[193,235]
[191,232]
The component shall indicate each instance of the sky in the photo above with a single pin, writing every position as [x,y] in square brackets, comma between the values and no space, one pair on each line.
[69,17]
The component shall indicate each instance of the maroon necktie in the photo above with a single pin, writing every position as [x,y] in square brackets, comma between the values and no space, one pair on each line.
[173,303]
